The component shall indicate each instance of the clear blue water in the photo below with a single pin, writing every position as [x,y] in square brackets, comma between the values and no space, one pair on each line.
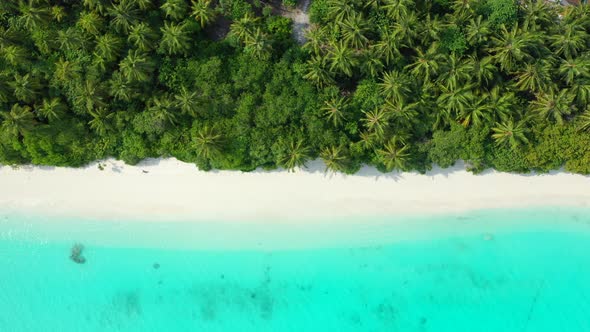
[497,270]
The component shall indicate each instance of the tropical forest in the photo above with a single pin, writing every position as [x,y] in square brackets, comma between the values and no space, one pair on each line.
[225,84]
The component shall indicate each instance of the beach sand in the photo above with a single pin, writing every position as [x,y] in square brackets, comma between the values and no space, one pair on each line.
[167,189]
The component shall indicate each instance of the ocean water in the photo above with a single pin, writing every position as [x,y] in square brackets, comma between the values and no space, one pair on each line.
[494,270]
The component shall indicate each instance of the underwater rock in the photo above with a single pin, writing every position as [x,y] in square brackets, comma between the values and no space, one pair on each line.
[156,266]
[76,253]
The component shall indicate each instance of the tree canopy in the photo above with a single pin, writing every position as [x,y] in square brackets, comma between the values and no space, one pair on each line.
[397,84]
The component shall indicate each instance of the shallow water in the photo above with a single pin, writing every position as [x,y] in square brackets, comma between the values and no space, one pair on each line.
[508,270]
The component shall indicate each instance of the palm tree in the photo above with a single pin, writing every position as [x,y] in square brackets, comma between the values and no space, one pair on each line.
[502,104]
[32,17]
[8,7]
[51,109]
[584,121]
[208,142]
[317,39]
[477,31]
[394,154]
[509,133]
[163,108]
[120,88]
[66,71]
[174,9]
[90,22]
[441,117]
[7,37]
[175,38]
[371,63]
[317,72]
[243,28]
[456,100]
[426,64]
[89,95]
[258,45]
[388,46]
[572,40]
[482,69]
[18,121]
[475,115]
[334,159]
[534,77]
[354,29]
[573,69]
[338,10]
[397,9]
[366,141]
[581,89]
[188,102]
[431,29]
[96,5]
[462,9]
[202,11]
[376,121]
[100,120]
[295,155]
[341,58]
[143,4]
[70,39]
[44,41]
[454,72]
[25,87]
[538,15]
[124,15]
[511,47]
[375,4]
[575,14]
[137,66]
[5,89]
[99,64]
[401,113]
[142,36]
[553,106]
[15,55]
[335,110]
[108,46]
[406,29]
[395,86]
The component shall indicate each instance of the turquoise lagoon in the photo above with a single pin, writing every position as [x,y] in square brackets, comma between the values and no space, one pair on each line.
[494,270]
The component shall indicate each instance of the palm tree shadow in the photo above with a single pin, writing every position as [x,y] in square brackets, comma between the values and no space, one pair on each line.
[318,166]
[31,168]
[149,162]
[372,172]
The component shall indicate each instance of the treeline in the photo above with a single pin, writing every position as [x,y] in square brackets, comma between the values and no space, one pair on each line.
[398,84]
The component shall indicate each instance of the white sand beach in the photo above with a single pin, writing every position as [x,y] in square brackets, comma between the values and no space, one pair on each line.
[168,189]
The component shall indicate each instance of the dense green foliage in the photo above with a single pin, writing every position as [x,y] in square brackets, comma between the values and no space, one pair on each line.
[398,84]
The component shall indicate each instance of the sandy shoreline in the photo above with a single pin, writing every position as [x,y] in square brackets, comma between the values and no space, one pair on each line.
[172,190]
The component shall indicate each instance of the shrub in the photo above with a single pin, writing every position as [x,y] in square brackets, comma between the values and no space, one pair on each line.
[502,12]
[290,3]
[318,11]
[453,40]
